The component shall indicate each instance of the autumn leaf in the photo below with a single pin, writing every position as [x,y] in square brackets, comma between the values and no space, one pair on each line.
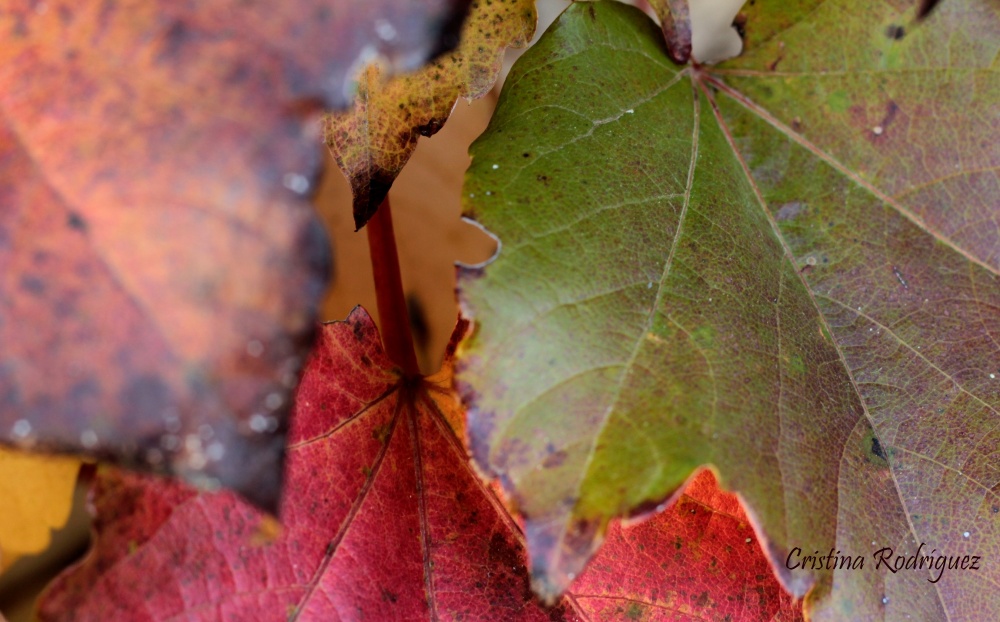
[37,493]
[372,141]
[426,210]
[765,267]
[699,559]
[383,517]
[161,266]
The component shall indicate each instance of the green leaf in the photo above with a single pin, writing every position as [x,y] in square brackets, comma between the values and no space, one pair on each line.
[715,266]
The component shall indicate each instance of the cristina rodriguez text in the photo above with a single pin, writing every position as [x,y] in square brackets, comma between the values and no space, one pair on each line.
[884,557]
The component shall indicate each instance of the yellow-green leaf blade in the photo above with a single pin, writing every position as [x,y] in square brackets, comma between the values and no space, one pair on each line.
[655,307]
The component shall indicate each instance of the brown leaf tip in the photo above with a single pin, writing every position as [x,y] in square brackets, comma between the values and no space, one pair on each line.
[676,24]
[370,198]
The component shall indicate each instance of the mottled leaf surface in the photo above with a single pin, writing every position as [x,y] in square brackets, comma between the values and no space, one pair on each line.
[383,518]
[909,113]
[160,265]
[372,141]
[687,278]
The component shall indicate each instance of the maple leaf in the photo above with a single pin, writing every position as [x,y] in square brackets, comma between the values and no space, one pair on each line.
[161,266]
[373,141]
[383,517]
[759,266]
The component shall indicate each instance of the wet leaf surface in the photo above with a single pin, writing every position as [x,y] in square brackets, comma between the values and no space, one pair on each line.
[161,266]
[383,518]
[372,141]
[736,267]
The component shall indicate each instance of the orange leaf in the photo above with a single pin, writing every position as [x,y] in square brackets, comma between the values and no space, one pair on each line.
[161,265]
[37,493]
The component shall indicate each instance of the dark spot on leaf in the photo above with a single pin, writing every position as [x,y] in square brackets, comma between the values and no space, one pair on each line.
[877,448]
[176,37]
[774,64]
[891,109]
[430,128]
[894,31]
[33,285]
[389,596]
[506,555]
[358,330]
[554,459]
[75,221]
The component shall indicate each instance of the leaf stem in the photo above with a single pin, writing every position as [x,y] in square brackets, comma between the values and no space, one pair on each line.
[393,316]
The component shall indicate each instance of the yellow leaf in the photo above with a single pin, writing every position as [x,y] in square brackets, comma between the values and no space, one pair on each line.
[37,494]
[372,141]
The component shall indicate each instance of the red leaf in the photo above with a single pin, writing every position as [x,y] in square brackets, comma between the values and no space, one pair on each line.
[383,518]
[697,560]
[161,266]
